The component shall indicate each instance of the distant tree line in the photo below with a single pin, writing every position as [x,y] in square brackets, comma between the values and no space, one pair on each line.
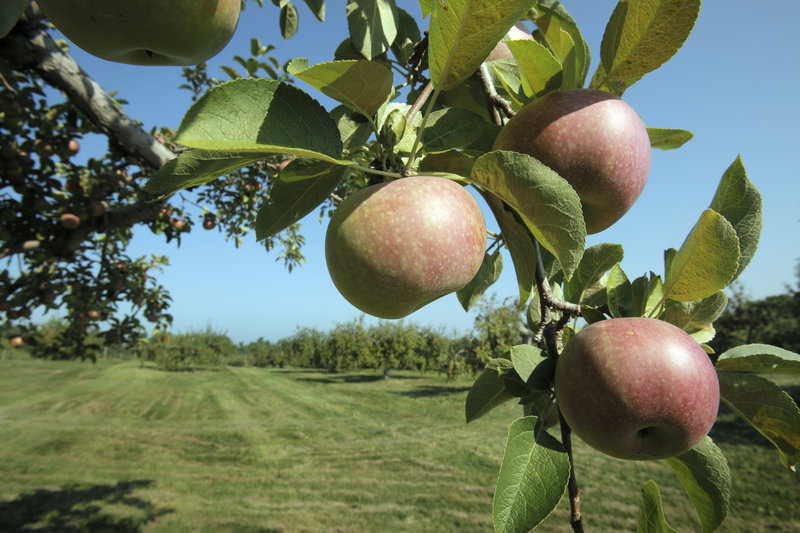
[772,320]
[389,345]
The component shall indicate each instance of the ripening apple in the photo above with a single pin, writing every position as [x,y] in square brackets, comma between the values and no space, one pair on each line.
[70,220]
[146,32]
[17,342]
[637,388]
[592,139]
[394,247]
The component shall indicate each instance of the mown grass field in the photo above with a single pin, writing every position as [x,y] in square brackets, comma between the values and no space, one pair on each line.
[117,446]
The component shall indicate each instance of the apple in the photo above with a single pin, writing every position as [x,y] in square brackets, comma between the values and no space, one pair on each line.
[501,50]
[17,342]
[209,223]
[394,247]
[70,220]
[592,139]
[637,388]
[146,32]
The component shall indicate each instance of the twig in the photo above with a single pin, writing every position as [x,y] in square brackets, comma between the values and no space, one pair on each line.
[495,100]
[575,519]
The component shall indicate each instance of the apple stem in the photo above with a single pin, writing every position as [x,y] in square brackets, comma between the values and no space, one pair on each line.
[495,101]
[572,485]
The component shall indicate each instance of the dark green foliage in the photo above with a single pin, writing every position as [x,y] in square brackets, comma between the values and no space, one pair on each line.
[772,320]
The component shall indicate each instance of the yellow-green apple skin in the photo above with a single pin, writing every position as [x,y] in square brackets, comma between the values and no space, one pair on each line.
[146,32]
[637,388]
[394,247]
[592,139]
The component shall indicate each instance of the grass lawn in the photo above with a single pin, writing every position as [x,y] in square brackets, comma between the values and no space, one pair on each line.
[117,446]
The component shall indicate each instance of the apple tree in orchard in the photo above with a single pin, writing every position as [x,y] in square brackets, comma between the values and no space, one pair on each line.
[428,118]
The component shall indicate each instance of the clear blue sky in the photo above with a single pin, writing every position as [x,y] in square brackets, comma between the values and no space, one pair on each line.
[734,84]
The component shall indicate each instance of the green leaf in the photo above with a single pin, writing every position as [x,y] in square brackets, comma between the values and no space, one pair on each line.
[264,116]
[651,514]
[694,316]
[620,294]
[291,201]
[706,261]
[532,479]
[647,293]
[563,36]
[766,407]
[525,358]
[488,392]
[305,169]
[759,358]
[451,128]
[668,139]
[354,129]
[487,275]
[318,8]
[703,471]
[372,25]
[533,366]
[547,204]
[408,35]
[10,12]
[738,200]
[196,167]
[519,241]
[596,261]
[642,35]
[539,70]
[288,21]
[463,32]
[361,85]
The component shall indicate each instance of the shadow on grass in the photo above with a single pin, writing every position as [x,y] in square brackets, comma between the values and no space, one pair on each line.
[428,391]
[81,508]
[356,378]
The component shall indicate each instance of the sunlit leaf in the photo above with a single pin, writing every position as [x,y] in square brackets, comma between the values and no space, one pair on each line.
[738,200]
[547,204]
[759,358]
[563,36]
[532,479]
[767,408]
[693,316]
[463,32]
[651,514]
[361,85]
[596,261]
[372,25]
[668,139]
[703,471]
[540,72]
[706,261]
[642,35]
[258,115]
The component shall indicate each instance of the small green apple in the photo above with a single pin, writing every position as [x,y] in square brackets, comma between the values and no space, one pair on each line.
[637,388]
[394,247]
[594,140]
[146,32]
